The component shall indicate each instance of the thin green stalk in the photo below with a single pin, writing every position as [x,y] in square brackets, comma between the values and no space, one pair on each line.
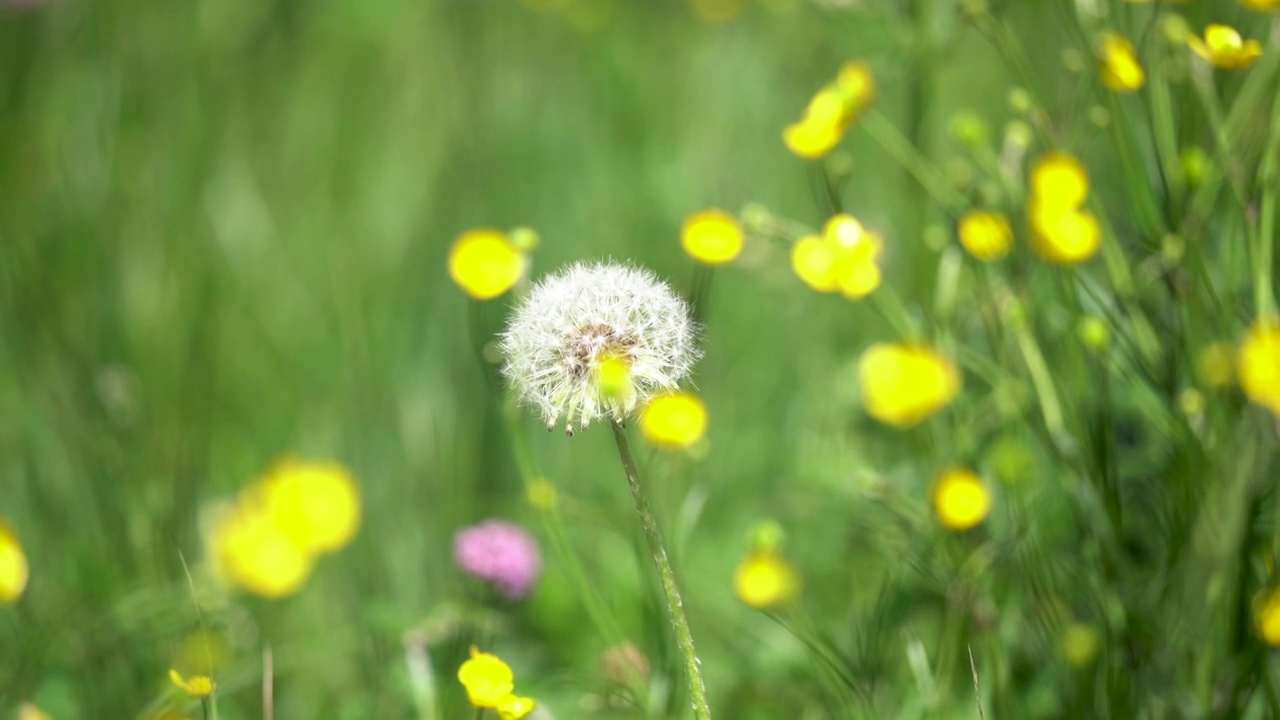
[901,149]
[675,606]
[1268,178]
[1136,184]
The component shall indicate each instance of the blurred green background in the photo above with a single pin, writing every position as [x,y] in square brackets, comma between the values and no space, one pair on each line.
[223,232]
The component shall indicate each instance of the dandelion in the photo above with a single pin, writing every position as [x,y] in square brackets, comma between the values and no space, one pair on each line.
[501,553]
[674,420]
[902,385]
[1258,364]
[831,111]
[490,684]
[960,499]
[592,318]
[986,235]
[1266,616]
[197,686]
[486,263]
[13,567]
[573,321]
[1120,70]
[315,504]
[713,237]
[1223,46]
[844,258]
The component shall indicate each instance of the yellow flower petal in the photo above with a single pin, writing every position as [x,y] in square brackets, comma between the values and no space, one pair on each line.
[1065,237]
[674,420]
[960,499]
[13,567]
[1266,616]
[986,235]
[1261,5]
[1120,70]
[903,385]
[811,139]
[252,551]
[513,707]
[487,679]
[197,686]
[1059,180]
[814,261]
[1259,364]
[763,580]
[1223,46]
[485,263]
[315,504]
[712,236]
[858,85]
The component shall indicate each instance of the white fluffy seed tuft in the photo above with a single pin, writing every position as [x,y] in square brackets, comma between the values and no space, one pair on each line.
[577,318]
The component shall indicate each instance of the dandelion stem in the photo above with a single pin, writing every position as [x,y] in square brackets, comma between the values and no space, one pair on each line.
[684,639]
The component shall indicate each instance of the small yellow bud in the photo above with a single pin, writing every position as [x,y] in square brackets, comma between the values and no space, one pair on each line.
[712,237]
[1079,645]
[960,499]
[1093,332]
[986,235]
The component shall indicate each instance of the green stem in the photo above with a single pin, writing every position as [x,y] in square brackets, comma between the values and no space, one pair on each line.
[901,149]
[1268,177]
[675,606]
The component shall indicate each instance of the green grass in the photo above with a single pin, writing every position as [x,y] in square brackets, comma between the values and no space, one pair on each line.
[223,233]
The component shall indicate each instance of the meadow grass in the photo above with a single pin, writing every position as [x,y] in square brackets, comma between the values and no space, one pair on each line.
[224,237]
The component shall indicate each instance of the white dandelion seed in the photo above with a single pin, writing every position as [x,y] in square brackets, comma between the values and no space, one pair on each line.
[576,322]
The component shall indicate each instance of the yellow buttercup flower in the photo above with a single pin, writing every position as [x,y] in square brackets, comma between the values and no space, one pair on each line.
[675,420]
[1059,180]
[253,552]
[1261,5]
[960,499]
[487,679]
[1063,236]
[1223,46]
[1258,364]
[844,258]
[712,237]
[13,567]
[197,686]
[1266,616]
[904,384]
[1120,70]
[315,504]
[831,111]
[765,581]
[814,261]
[986,235]
[514,707]
[485,263]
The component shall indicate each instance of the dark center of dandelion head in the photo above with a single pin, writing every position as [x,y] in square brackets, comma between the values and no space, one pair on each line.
[584,348]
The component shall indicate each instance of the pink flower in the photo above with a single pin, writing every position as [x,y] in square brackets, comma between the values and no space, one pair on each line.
[499,552]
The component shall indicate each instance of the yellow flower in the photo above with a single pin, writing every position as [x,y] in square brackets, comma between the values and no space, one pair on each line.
[1258,364]
[13,567]
[831,111]
[845,258]
[253,552]
[986,235]
[541,494]
[1215,365]
[485,263]
[197,686]
[1061,235]
[488,680]
[712,236]
[904,384]
[1266,616]
[315,504]
[814,262]
[765,581]
[1059,180]
[1223,46]
[1120,69]
[960,499]
[674,420]
[1261,5]
[513,707]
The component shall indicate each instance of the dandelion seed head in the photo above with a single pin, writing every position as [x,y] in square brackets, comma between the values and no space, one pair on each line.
[579,324]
